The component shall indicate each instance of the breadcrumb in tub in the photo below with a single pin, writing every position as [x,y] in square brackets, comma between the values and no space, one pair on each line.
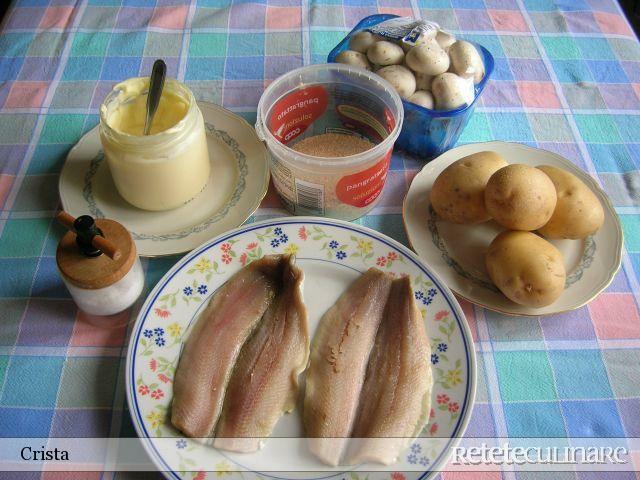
[327,180]
[332,145]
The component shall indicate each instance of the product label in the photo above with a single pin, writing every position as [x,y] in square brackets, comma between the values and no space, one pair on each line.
[356,119]
[362,112]
[362,188]
[403,28]
[310,195]
[292,114]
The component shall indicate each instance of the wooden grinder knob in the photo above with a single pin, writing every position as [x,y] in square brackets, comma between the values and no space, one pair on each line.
[85,223]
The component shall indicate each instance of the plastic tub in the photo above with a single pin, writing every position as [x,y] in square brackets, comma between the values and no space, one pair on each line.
[329,98]
[426,133]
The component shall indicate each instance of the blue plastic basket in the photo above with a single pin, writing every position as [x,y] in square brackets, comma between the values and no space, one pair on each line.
[426,133]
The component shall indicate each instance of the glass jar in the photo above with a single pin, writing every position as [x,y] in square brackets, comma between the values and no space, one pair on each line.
[168,167]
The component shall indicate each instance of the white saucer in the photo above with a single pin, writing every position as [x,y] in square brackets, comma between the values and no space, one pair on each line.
[238,183]
[456,252]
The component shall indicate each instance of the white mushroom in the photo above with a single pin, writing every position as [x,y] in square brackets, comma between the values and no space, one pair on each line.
[385,53]
[401,78]
[361,41]
[424,98]
[427,36]
[445,40]
[466,61]
[353,58]
[423,81]
[451,91]
[428,58]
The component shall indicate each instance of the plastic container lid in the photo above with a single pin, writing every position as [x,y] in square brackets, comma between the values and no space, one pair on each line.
[327,73]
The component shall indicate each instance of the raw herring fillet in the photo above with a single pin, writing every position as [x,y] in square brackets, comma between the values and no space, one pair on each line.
[214,343]
[264,383]
[339,354]
[396,396]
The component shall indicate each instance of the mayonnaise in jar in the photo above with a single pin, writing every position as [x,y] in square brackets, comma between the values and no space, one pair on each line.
[166,168]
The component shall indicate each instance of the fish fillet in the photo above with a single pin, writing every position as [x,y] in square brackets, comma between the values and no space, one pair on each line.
[214,343]
[264,383]
[339,355]
[396,396]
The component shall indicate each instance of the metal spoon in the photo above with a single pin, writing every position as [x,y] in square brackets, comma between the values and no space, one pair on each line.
[156,84]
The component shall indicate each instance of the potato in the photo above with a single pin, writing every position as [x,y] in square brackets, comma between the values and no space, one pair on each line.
[457,194]
[401,78]
[353,58]
[361,41]
[526,268]
[466,61]
[424,98]
[520,197]
[451,91]
[428,58]
[385,53]
[578,212]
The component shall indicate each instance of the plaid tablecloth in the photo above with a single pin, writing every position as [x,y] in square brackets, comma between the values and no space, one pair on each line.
[567,79]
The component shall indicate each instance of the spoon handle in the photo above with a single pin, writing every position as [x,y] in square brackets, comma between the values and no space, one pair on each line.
[156,85]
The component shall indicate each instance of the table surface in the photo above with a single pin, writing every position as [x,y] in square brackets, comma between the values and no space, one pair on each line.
[567,79]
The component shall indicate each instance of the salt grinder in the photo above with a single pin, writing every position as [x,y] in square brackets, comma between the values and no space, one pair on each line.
[98,263]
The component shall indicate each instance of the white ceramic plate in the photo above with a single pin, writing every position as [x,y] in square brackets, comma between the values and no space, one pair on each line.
[332,254]
[456,252]
[238,183]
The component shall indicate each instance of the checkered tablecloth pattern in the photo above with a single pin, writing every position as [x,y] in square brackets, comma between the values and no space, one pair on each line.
[567,79]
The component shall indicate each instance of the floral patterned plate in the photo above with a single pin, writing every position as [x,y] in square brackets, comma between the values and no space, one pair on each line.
[238,183]
[456,252]
[332,254]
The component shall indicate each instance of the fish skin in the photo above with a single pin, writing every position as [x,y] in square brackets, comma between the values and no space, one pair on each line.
[396,396]
[264,383]
[339,354]
[214,343]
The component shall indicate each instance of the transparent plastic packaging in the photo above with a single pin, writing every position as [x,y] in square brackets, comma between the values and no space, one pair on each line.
[426,133]
[321,99]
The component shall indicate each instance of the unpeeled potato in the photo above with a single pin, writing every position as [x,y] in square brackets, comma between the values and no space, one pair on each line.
[520,197]
[526,268]
[578,212]
[457,194]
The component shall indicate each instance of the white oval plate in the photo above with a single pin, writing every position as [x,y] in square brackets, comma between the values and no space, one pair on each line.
[456,252]
[332,254]
[238,183]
